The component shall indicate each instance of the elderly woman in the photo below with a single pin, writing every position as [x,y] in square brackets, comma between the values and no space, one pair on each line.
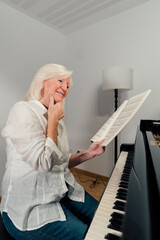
[40,197]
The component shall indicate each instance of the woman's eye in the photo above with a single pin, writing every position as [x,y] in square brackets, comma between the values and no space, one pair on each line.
[67,87]
[59,80]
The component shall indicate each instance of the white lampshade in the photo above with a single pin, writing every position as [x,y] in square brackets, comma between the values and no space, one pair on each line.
[117,78]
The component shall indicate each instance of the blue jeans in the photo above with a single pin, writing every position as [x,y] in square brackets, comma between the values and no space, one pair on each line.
[79,216]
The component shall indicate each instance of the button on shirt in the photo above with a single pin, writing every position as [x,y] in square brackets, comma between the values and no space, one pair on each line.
[36,170]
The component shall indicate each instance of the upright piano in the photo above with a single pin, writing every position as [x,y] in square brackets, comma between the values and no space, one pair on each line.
[129,208]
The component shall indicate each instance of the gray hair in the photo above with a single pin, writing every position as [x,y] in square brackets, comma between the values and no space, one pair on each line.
[45,72]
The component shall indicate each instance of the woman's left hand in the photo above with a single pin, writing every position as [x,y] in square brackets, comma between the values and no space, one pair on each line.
[95,149]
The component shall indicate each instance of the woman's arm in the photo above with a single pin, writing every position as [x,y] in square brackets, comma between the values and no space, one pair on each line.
[28,136]
[94,150]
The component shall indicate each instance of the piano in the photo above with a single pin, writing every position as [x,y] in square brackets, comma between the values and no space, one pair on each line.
[129,208]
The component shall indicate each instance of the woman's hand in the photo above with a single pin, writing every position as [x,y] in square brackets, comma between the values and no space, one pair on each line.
[95,149]
[55,113]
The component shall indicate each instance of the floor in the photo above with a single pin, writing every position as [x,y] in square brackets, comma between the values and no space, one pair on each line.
[93,183]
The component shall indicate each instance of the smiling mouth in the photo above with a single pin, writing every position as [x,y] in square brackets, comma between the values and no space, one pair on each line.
[62,94]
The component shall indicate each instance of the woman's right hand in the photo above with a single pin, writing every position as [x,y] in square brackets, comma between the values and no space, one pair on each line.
[55,111]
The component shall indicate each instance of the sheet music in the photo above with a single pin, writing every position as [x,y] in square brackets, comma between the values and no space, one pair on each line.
[120,118]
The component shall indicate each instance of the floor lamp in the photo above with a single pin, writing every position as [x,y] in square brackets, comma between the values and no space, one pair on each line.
[117,79]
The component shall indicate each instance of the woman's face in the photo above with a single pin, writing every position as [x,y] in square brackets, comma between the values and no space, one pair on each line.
[57,87]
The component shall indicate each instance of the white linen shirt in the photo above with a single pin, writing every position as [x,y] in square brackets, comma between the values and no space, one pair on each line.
[36,170]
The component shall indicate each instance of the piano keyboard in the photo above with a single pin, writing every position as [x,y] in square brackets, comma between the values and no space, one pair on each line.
[108,219]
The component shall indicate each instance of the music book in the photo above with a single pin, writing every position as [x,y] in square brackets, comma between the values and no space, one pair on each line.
[120,118]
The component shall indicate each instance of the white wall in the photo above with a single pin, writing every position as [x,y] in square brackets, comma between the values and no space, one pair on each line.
[131,38]
[25,45]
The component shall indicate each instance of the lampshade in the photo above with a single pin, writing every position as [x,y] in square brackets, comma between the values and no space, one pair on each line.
[117,78]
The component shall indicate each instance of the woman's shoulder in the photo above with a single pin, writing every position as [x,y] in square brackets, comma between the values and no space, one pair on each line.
[19,105]
[20,110]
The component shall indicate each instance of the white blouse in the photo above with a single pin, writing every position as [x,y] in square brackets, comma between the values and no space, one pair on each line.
[36,170]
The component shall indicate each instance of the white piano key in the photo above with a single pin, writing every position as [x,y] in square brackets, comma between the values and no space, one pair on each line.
[98,228]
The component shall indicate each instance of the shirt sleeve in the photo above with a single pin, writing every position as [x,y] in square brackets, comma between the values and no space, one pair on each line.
[27,134]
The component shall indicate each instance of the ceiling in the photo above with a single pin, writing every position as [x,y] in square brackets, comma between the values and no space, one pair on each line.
[67,16]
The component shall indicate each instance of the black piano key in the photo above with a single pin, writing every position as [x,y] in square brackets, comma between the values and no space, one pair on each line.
[122,193]
[116,221]
[122,190]
[129,163]
[123,184]
[125,175]
[120,203]
[111,236]
[115,226]
[121,196]
[127,171]
[117,215]
[125,178]
[120,208]
[129,159]
[128,167]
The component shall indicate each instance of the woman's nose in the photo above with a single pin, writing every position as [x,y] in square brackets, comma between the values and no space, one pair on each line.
[64,86]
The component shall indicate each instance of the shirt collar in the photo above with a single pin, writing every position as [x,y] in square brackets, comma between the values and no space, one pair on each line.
[43,110]
[39,106]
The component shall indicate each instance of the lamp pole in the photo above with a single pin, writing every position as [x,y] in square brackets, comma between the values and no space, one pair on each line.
[116,138]
[116,78]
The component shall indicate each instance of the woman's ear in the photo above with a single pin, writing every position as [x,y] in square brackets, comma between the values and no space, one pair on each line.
[42,90]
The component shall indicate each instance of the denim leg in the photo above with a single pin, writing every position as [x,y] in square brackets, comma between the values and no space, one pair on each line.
[71,229]
[84,211]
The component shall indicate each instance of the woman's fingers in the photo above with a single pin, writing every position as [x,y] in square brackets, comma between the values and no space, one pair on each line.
[55,111]
[100,142]
[51,100]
